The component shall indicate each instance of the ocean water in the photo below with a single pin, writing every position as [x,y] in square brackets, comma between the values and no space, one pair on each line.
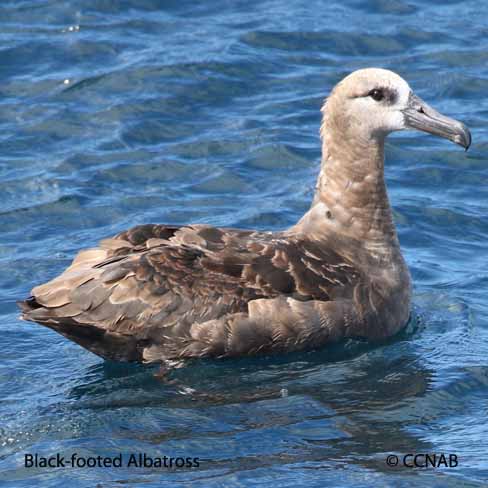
[115,113]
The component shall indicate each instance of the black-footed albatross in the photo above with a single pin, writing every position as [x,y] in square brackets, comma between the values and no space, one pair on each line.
[158,292]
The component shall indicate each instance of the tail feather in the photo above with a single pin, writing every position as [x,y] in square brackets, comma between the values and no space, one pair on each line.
[106,344]
[28,305]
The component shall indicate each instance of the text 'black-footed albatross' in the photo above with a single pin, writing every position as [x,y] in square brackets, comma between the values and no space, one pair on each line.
[158,292]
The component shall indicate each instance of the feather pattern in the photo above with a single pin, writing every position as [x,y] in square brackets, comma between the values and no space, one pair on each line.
[162,292]
[158,292]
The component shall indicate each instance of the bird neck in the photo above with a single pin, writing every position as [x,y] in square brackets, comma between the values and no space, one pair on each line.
[351,198]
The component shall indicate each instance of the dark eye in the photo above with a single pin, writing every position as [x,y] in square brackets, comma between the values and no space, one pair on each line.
[377,94]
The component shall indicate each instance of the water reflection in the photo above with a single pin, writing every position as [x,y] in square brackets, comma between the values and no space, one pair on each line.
[350,402]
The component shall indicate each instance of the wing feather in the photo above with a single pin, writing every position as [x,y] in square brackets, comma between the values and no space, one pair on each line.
[156,282]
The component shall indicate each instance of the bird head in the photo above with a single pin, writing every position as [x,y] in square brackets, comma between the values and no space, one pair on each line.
[371,103]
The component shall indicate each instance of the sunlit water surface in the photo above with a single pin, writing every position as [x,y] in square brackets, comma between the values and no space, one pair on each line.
[116,113]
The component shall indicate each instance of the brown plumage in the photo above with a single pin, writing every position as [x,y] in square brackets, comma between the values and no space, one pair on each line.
[158,292]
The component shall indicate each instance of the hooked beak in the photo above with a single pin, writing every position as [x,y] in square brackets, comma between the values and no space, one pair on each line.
[419,115]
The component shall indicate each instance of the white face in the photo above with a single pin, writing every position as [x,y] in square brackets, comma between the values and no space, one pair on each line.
[370,102]
[382,104]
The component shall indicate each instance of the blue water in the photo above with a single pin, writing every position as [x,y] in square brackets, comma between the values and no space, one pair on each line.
[116,113]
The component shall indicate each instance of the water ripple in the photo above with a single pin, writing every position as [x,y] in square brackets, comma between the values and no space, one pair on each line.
[115,113]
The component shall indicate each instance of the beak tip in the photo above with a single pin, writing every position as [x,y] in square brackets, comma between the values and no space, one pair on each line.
[461,136]
[464,138]
[468,145]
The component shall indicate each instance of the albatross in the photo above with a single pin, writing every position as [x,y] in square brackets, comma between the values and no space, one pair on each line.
[163,292]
